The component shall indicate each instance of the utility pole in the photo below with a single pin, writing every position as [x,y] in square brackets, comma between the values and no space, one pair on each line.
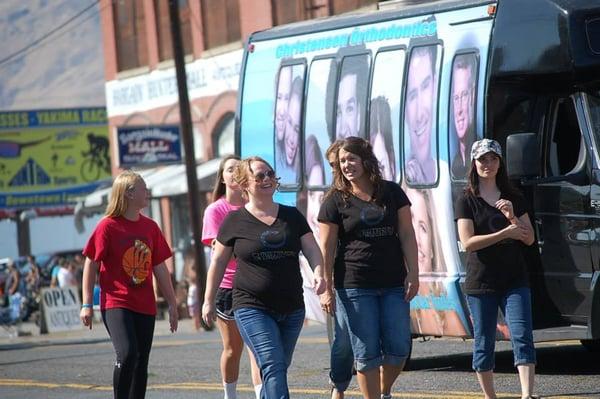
[187,133]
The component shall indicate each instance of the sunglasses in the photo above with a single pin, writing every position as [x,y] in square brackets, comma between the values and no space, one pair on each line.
[261,176]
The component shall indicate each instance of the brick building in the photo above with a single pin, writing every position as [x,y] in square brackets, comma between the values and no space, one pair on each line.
[141,87]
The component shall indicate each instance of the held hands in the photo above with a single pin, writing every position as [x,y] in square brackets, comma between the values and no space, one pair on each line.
[209,313]
[173,318]
[327,299]
[87,315]
[411,286]
[319,285]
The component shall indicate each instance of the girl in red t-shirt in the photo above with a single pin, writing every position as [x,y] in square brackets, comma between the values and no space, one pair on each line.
[126,248]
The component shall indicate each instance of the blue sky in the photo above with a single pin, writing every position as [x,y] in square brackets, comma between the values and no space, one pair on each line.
[66,69]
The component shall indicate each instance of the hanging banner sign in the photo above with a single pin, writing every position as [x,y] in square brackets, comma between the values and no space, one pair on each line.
[148,145]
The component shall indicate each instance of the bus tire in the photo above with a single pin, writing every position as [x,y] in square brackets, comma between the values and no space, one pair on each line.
[592,345]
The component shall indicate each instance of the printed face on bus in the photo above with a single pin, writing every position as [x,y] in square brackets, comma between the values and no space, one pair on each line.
[420,103]
[382,155]
[348,110]
[423,230]
[284,87]
[462,100]
[292,129]
[314,198]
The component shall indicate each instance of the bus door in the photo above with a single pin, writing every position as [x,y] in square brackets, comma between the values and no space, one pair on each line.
[563,210]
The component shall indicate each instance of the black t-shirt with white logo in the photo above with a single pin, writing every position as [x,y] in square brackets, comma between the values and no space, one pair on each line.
[500,266]
[369,254]
[268,270]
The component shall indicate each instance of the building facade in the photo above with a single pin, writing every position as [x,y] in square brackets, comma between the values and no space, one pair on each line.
[141,88]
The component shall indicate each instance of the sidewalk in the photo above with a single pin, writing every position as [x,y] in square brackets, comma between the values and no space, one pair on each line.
[29,334]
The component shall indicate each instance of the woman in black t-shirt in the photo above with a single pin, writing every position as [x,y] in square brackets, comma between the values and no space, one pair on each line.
[493,226]
[365,222]
[268,305]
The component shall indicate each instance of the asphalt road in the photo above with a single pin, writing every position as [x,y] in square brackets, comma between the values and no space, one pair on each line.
[185,365]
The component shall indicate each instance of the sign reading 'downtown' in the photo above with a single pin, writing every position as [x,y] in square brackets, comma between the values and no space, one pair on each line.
[61,308]
[148,145]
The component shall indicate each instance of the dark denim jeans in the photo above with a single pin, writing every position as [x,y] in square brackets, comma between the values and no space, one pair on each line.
[516,307]
[342,357]
[272,338]
[379,322]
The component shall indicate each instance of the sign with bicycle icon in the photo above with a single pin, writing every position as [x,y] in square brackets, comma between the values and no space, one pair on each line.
[149,145]
[50,157]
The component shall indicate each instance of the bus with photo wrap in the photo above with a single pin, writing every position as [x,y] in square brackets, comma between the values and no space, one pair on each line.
[422,83]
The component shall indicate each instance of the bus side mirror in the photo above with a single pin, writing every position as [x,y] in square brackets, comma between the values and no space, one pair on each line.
[522,156]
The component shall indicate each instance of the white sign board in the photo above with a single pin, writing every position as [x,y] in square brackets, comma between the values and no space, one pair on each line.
[61,308]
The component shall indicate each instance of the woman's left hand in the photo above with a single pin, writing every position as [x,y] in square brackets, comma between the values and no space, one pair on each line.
[319,285]
[411,286]
[506,207]
[173,318]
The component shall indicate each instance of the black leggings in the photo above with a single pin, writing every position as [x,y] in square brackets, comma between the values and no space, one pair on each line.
[131,334]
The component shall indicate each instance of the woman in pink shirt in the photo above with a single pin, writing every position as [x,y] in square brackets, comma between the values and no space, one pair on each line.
[227,197]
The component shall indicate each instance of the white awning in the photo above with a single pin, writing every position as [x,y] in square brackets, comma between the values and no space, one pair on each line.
[177,184]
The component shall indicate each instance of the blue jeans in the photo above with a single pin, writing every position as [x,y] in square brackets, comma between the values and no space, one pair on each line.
[272,338]
[342,357]
[516,307]
[379,321]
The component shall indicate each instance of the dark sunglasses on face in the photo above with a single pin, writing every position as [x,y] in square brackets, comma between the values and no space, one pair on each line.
[261,176]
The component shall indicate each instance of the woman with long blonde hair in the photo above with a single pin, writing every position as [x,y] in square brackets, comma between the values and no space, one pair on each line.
[227,197]
[126,249]
[268,306]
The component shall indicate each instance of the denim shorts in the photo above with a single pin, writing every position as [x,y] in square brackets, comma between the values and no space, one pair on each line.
[516,307]
[379,324]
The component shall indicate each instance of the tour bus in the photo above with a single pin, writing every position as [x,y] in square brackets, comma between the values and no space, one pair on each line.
[421,83]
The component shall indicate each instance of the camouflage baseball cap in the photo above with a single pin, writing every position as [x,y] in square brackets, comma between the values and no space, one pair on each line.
[484,146]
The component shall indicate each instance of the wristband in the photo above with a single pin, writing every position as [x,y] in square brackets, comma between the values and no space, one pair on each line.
[87,306]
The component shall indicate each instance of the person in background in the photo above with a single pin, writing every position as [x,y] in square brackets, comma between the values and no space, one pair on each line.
[126,248]
[192,301]
[493,227]
[227,197]
[365,225]
[66,275]
[266,238]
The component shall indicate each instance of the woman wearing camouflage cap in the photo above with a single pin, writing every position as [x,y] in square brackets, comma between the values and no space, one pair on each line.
[494,227]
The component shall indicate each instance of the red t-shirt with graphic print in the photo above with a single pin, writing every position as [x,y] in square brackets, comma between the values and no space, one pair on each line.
[127,252]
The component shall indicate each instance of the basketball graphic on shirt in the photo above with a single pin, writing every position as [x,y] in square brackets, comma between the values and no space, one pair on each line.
[273,238]
[372,214]
[136,262]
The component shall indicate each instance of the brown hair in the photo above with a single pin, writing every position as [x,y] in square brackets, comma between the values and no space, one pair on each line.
[220,188]
[117,203]
[362,148]
[502,181]
[244,170]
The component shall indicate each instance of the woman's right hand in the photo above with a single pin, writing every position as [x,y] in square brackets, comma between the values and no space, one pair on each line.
[209,313]
[87,315]
[327,300]
[515,232]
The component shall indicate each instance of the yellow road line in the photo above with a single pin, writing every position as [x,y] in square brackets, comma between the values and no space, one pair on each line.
[200,386]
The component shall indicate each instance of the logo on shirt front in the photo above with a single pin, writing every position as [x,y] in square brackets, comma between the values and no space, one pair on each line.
[136,262]
[273,239]
[372,214]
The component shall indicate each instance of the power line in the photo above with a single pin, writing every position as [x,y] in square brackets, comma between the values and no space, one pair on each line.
[46,35]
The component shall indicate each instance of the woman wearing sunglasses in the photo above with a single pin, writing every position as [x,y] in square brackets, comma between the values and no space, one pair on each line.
[266,238]
[227,198]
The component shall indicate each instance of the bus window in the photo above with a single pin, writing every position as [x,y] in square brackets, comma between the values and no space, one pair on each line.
[461,125]
[350,111]
[420,116]
[567,149]
[384,128]
[287,125]
[318,122]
